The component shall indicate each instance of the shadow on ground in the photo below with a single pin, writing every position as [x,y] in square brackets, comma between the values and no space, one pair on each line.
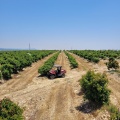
[80,93]
[87,107]
[41,76]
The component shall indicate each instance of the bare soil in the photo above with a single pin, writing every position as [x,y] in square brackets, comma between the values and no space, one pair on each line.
[61,98]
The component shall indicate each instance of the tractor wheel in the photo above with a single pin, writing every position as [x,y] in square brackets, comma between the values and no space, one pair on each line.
[52,76]
[63,75]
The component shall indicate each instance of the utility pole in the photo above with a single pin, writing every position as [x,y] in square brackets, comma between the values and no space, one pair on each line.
[29,46]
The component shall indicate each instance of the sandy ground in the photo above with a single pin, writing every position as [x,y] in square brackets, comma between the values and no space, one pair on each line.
[58,99]
[113,77]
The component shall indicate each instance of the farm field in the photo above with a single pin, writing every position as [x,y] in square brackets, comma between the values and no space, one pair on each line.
[60,98]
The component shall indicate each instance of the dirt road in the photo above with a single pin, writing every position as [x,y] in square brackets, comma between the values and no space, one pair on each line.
[21,80]
[58,99]
[114,78]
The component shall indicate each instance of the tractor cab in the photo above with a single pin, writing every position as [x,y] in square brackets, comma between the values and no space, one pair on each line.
[56,71]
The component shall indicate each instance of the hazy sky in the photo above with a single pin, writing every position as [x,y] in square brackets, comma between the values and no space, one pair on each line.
[60,24]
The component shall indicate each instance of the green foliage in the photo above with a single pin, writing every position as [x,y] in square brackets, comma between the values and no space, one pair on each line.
[95,87]
[6,74]
[95,59]
[72,60]
[48,65]
[96,55]
[112,64]
[6,70]
[14,61]
[10,110]
[114,112]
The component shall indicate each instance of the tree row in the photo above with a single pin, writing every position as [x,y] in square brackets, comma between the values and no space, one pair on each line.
[72,60]
[48,64]
[11,62]
[96,55]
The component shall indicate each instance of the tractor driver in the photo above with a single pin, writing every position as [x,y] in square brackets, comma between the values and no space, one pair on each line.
[59,69]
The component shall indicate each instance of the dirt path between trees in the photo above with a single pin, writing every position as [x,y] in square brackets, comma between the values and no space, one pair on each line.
[114,78]
[58,99]
[21,80]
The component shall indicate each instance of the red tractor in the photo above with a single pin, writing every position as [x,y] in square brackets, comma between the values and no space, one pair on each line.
[57,71]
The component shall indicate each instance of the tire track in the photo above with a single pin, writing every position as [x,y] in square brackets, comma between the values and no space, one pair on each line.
[83,64]
[24,78]
[63,60]
[114,80]
[59,105]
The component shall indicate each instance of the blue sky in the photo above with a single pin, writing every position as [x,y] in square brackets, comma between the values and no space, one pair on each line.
[60,24]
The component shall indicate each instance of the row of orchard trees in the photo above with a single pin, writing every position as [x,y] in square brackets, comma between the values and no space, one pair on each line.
[72,60]
[43,70]
[96,55]
[14,61]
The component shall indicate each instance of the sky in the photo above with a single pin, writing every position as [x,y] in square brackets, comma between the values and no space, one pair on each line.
[60,24]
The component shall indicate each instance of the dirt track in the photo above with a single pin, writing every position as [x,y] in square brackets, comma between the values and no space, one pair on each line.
[57,99]
[114,78]
[21,80]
